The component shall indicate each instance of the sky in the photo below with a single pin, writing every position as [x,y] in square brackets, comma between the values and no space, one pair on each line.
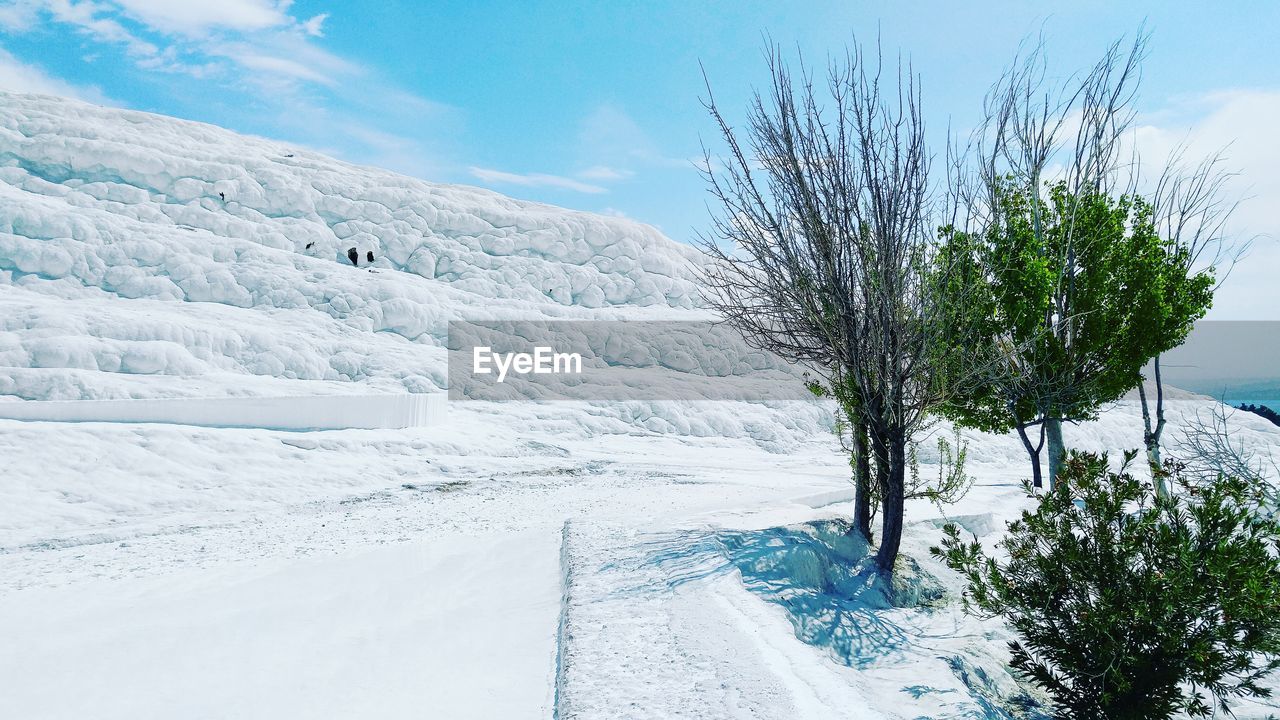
[598,105]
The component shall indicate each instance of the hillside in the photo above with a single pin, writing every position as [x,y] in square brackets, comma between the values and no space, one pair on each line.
[145,256]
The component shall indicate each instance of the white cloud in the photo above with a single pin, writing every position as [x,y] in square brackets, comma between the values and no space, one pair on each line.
[87,17]
[254,59]
[534,180]
[282,56]
[170,61]
[281,66]
[17,76]
[20,15]
[314,26]
[604,172]
[251,46]
[194,36]
[610,140]
[1241,123]
[197,17]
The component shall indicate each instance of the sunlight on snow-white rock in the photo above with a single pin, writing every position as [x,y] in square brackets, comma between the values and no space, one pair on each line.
[137,245]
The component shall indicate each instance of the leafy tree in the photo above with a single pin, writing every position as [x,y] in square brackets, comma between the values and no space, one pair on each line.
[1131,604]
[1067,299]
[1041,178]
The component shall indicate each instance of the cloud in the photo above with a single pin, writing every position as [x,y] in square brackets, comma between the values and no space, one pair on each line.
[85,16]
[279,66]
[313,27]
[198,37]
[598,174]
[17,76]
[19,16]
[282,66]
[604,172]
[253,64]
[539,180]
[197,17]
[610,140]
[286,57]
[1240,123]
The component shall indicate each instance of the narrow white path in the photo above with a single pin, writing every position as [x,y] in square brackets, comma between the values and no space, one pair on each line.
[658,630]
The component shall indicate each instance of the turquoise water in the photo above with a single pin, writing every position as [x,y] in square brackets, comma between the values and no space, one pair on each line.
[1236,361]
[1237,392]
[1273,403]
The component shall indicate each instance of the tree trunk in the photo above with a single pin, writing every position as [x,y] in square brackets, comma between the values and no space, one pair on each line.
[861,482]
[1057,452]
[1151,431]
[1157,472]
[1151,441]
[1033,452]
[892,499]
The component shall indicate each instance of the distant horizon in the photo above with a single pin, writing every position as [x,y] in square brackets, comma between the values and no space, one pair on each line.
[1232,361]
[1235,395]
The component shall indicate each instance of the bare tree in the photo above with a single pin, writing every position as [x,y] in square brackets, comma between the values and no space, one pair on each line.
[1207,449]
[1192,212]
[822,250]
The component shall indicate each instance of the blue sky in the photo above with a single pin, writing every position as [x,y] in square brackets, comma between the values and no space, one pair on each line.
[595,105]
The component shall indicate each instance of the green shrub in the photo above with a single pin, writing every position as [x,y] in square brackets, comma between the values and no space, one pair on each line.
[1127,605]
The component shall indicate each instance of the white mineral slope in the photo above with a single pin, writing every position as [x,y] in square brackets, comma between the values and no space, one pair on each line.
[144,255]
[124,273]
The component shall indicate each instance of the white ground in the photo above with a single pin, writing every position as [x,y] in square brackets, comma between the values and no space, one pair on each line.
[417,573]
[168,596]
[154,570]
